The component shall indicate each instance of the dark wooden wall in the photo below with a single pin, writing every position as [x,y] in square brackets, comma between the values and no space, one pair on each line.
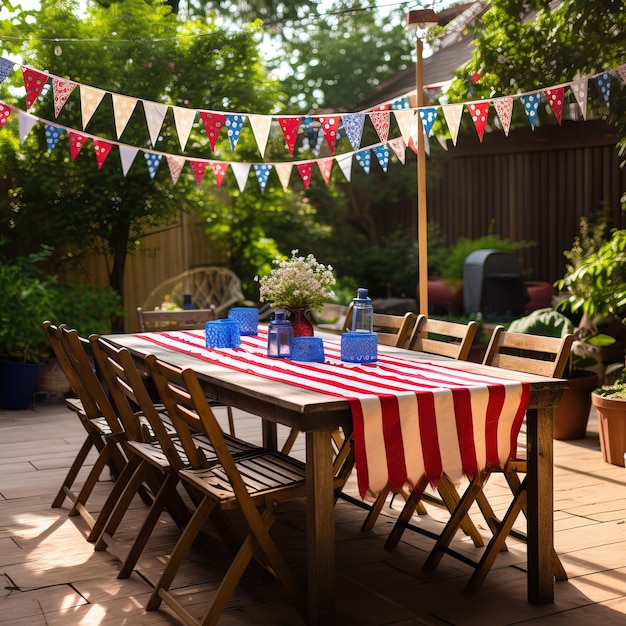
[531,186]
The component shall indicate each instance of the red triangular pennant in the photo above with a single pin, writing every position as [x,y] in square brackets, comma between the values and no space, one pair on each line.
[219,169]
[76,143]
[212,124]
[479,111]
[102,151]
[34,82]
[555,98]
[329,128]
[305,170]
[198,168]
[5,111]
[290,127]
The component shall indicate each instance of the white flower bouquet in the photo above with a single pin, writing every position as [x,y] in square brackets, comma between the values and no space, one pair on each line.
[298,282]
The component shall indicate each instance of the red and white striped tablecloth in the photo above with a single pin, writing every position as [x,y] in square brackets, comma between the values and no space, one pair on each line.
[411,418]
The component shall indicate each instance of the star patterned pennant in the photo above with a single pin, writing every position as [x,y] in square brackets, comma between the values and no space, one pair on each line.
[555,98]
[262,171]
[604,84]
[404,119]
[329,128]
[198,168]
[325,166]
[53,134]
[399,148]
[479,112]
[5,111]
[290,126]
[428,117]
[127,156]
[176,165]
[353,127]
[34,82]
[382,154]
[153,161]
[234,123]
[531,104]
[102,149]
[305,170]
[61,90]
[213,122]
[6,67]
[77,141]
[504,109]
[363,159]
[219,169]
[380,120]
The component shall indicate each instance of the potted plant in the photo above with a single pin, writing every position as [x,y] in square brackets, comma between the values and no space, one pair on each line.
[27,301]
[610,403]
[572,413]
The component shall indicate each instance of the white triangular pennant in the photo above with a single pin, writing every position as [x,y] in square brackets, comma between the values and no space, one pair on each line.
[155,114]
[443,142]
[123,107]
[579,89]
[453,113]
[405,118]
[260,125]
[399,148]
[241,171]
[127,156]
[345,163]
[26,122]
[90,99]
[284,173]
[183,118]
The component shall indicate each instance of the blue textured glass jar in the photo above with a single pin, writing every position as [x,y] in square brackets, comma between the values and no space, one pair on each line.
[279,336]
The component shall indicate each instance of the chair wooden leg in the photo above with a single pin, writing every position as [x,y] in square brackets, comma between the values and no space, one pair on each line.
[183,545]
[231,419]
[405,515]
[291,439]
[453,524]
[375,510]
[450,497]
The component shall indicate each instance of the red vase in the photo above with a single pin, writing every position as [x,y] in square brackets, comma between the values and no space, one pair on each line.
[298,316]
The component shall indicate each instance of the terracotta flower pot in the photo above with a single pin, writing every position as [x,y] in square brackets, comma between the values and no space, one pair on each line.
[572,413]
[612,427]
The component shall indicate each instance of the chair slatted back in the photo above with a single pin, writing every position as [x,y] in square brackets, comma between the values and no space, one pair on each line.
[442,337]
[391,330]
[532,354]
[173,320]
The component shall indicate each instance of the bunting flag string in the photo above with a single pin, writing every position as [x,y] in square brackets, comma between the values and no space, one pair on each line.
[333,126]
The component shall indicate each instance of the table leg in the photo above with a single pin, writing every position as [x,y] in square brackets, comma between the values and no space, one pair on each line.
[540,505]
[320,529]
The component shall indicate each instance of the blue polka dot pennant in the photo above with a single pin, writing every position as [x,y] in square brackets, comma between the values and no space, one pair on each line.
[363,159]
[234,124]
[153,161]
[53,134]
[531,104]
[262,171]
[382,154]
[428,117]
[604,84]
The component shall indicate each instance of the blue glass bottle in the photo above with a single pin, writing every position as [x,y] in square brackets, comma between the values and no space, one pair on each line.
[279,336]
[362,312]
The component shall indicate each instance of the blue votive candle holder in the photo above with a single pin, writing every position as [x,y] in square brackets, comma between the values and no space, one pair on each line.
[307,349]
[359,347]
[222,334]
[246,318]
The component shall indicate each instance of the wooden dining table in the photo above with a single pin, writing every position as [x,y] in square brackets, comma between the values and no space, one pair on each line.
[318,414]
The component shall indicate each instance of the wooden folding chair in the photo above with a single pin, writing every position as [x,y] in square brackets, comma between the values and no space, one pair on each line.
[250,488]
[453,340]
[534,354]
[96,414]
[156,455]
[191,319]
[173,320]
